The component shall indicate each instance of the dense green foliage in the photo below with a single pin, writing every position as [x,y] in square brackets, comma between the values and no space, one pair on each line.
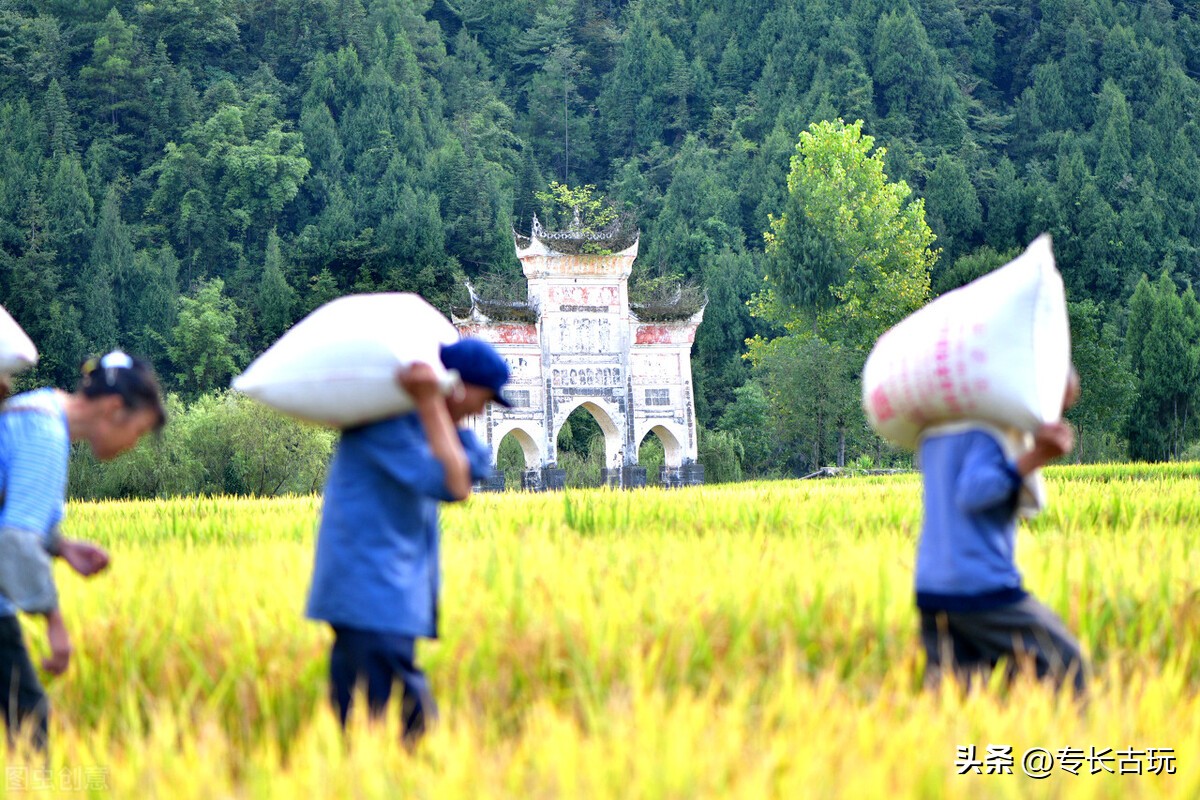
[224,443]
[187,178]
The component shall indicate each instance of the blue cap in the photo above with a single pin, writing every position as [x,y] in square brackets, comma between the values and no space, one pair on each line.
[478,363]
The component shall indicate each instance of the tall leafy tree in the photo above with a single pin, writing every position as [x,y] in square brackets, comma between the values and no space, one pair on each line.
[559,120]
[114,88]
[912,89]
[1006,204]
[842,85]
[60,123]
[1165,366]
[188,26]
[22,142]
[103,287]
[955,213]
[34,295]
[859,238]
[1107,384]
[204,346]
[815,397]
[875,229]
[70,211]
[31,50]
[153,286]
[749,418]
[727,276]
[475,208]
[639,96]
[276,297]
[1114,164]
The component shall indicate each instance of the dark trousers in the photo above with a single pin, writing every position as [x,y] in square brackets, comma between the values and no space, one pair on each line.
[26,708]
[375,661]
[1026,634]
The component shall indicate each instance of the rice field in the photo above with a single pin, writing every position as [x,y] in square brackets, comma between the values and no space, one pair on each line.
[744,641]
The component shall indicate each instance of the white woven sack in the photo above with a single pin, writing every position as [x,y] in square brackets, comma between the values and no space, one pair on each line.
[16,348]
[337,366]
[996,350]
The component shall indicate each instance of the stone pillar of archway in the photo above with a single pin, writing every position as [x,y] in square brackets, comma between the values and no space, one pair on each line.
[661,393]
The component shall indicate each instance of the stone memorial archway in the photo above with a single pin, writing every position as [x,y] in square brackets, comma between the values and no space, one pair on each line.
[575,343]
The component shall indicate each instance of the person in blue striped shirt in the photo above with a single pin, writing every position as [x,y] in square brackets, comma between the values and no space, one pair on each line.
[117,402]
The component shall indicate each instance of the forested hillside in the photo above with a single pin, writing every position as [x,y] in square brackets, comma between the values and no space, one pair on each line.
[186,178]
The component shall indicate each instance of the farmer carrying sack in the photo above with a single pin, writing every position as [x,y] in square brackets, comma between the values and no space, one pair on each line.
[997,350]
[337,366]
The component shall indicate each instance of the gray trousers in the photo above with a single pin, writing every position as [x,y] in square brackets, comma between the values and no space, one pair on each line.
[1026,635]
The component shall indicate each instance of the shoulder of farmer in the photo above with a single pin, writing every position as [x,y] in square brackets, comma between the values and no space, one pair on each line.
[35,441]
[941,446]
[34,454]
[35,414]
[392,435]
[971,455]
[986,442]
[986,475]
[398,448]
[982,447]
[965,436]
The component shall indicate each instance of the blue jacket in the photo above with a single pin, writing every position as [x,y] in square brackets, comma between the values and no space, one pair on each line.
[377,563]
[966,557]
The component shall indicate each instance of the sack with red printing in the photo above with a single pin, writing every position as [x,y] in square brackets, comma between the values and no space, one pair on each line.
[997,350]
[338,365]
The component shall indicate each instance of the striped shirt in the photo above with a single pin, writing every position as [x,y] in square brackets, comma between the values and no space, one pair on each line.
[35,447]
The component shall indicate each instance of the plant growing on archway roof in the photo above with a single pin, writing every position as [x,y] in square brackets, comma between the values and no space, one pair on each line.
[567,204]
[582,216]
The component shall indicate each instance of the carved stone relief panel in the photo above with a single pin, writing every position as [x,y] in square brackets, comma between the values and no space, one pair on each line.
[579,334]
[656,368]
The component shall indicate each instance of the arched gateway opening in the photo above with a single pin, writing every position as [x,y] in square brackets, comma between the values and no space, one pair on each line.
[588,443]
[516,456]
[660,453]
